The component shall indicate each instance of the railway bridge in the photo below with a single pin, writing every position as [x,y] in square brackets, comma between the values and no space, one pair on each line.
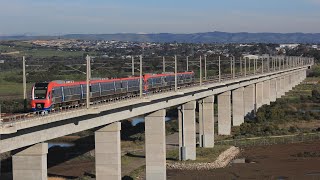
[237,96]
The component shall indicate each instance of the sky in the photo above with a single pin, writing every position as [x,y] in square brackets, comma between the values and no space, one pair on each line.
[58,17]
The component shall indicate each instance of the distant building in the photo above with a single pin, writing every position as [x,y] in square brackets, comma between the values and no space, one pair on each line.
[290,46]
[314,46]
[249,56]
[245,45]
[1,61]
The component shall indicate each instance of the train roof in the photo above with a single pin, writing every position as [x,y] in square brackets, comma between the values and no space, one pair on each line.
[167,74]
[60,83]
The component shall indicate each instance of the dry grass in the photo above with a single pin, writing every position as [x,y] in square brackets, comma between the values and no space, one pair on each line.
[302,124]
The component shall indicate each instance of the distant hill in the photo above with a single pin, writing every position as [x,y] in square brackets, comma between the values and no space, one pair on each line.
[208,37]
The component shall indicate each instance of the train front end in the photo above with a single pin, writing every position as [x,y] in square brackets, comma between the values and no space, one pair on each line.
[41,97]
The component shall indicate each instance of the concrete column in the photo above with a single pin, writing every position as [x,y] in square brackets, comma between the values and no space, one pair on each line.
[108,152]
[187,131]
[278,87]
[249,99]
[300,77]
[282,86]
[266,92]
[31,163]
[224,113]
[290,82]
[259,95]
[287,83]
[206,122]
[295,78]
[238,106]
[304,75]
[155,132]
[273,90]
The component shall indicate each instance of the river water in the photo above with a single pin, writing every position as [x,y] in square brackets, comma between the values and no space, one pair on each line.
[137,120]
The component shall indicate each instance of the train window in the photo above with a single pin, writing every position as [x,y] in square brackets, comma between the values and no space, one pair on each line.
[40,93]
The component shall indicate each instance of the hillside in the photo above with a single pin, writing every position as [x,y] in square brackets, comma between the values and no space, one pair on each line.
[208,37]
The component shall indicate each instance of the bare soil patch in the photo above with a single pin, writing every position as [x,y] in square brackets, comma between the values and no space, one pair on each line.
[283,161]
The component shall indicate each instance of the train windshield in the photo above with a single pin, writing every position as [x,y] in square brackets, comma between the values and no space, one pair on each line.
[40,90]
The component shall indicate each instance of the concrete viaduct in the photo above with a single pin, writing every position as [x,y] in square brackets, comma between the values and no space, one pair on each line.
[236,98]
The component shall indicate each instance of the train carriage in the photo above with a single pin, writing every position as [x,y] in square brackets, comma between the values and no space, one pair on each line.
[48,95]
[157,81]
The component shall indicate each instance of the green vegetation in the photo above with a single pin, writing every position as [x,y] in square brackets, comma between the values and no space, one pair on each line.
[210,154]
[32,51]
[127,159]
[269,140]
[45,53]
[203,154]
[286,114]
[136,174]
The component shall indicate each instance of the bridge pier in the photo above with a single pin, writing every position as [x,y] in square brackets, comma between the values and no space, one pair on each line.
[295,80]
[187,131]
[249,99]
[155,139]
[266,92]
[259,95]
[299,77]
[224,113]
[290,81]
[303,75]
[278,87]
[285,84]
[238,111]
[282,86]
[273,90]
[31,163]
[206,122]
[108,152]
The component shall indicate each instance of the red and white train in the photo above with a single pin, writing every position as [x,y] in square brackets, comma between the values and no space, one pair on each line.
[48,95]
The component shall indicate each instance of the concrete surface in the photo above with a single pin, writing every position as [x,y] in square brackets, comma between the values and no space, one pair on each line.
[31,163]
[238,111]
[187,131]
[266,92]
[249,98]
[224,113]
[155,145]
[108,152]
[259,95]
[206,122]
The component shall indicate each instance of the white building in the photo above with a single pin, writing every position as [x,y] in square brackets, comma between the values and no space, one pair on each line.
[250,56]
[290,46]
